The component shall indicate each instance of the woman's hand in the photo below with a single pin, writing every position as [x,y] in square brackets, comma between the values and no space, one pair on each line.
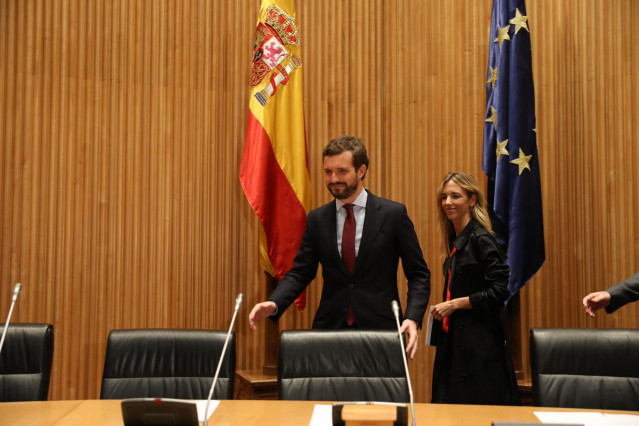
[446,309]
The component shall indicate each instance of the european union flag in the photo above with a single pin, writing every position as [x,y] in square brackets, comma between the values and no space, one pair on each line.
[510,143]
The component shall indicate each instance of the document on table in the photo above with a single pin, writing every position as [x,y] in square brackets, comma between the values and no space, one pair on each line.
[322,415]
[587,418]
[201,406]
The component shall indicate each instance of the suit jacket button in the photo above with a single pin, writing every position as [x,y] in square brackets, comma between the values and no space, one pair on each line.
[351,285]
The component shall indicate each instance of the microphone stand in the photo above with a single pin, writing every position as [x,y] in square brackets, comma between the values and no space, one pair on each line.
[16,292]
[395,307]
[238,302]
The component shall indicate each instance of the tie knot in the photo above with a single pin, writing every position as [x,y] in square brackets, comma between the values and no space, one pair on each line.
[349,209]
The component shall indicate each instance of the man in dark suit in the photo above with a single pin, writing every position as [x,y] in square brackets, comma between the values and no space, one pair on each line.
[358,238]
[614,298]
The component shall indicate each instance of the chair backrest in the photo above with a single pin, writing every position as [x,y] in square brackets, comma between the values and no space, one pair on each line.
[341,365]
[25,362]
[167,363]
[585,368]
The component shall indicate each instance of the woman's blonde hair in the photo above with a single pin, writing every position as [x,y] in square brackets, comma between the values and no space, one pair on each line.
[478,212]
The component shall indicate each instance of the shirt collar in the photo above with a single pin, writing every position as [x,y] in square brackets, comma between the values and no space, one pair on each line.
[461,240]
[360,201]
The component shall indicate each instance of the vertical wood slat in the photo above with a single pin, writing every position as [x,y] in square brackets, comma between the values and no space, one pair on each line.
[122,126]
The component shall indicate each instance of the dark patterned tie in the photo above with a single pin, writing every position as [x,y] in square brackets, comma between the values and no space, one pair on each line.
[348,252]
[348,239]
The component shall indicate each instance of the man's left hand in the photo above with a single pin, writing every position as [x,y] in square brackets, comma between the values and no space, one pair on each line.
[409,326]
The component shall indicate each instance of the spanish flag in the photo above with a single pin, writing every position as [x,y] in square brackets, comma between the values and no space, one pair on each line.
[274,168]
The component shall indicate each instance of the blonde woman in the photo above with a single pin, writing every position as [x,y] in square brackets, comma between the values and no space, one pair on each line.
[472,365]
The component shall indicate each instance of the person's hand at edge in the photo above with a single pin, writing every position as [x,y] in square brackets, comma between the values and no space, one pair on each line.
[595,301]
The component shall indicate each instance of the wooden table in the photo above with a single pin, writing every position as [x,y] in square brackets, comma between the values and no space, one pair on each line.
[257,412]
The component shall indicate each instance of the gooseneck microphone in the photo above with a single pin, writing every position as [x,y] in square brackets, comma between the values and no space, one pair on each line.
[16,293]
[238,302]
[395,307]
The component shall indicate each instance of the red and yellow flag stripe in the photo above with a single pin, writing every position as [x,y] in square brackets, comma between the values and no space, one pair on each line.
[274,168]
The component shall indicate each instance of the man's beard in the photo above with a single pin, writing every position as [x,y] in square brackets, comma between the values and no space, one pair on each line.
[346,193]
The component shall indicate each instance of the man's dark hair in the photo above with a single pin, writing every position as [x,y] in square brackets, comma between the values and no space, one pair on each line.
[348,143]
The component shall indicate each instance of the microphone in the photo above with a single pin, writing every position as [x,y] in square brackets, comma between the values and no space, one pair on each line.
[16,293]
[238,302]
[395,307]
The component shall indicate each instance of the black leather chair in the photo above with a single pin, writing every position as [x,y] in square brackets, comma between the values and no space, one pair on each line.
[342,365]
[167,363]
[25,362]
[585,368]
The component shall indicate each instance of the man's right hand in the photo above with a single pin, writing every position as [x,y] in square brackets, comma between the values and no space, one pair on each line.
[261,311]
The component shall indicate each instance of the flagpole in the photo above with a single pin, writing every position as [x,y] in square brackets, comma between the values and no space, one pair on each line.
[513,310]
[271,335]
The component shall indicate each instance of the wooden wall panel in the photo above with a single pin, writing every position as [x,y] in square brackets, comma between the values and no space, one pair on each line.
[586,67]
[122,126]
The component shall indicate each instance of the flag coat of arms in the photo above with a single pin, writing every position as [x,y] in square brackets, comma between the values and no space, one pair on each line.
[510,158]
[274,167]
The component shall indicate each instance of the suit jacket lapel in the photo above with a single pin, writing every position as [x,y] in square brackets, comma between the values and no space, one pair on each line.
[329,217]
[372,224]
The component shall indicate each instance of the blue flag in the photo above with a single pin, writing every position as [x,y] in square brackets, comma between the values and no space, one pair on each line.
[510,143]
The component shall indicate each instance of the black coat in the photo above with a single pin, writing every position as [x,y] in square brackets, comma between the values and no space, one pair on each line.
[472,364]
[388,235]
[624,292]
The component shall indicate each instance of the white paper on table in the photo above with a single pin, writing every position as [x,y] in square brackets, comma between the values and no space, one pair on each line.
[201,406]
[623,419]
[322,415]
[585,418]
